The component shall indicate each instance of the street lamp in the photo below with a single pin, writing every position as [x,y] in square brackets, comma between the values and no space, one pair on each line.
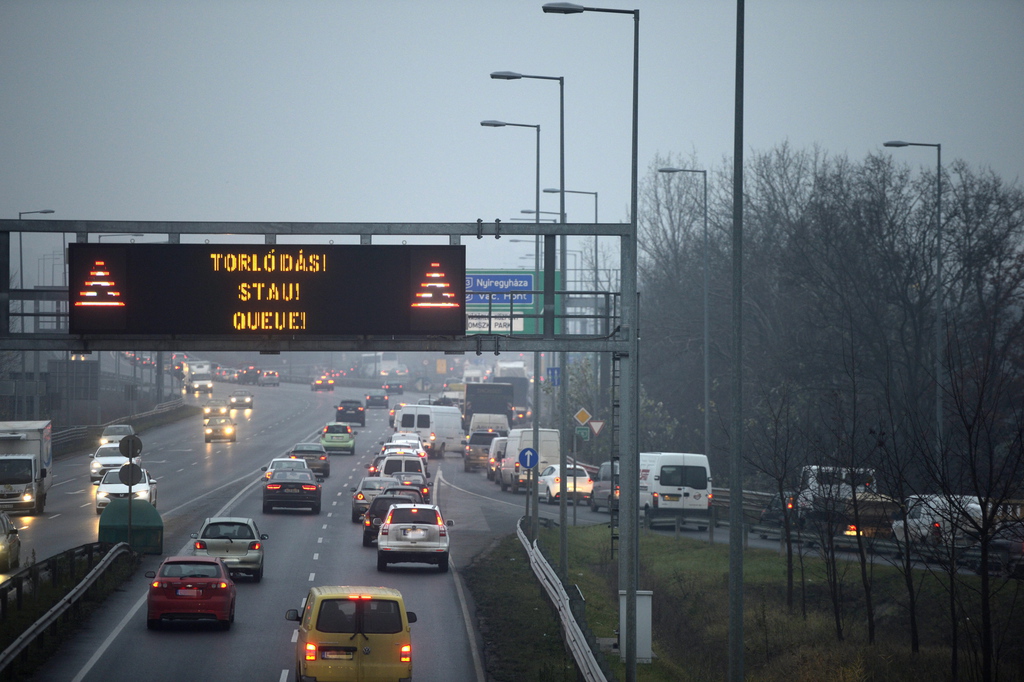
[563,394]
[597,326]
[629,465]
[21,304]
[939,292]
[707,323]
[535,495]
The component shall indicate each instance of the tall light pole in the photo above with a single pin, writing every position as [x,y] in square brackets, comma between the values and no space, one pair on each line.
[939,291]
[629,366]
[563,394]
[597,328]
[21,309]
[707,315]
[534,493]
[21,258]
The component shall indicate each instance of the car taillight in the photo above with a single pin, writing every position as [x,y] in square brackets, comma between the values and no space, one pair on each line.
[517,466]
[255,544]
[366,521]
[442,530]
[433,436]
[406,653]
[273,486]
[558,479]
[310,651]
[383,529]
[424,490]
[200,544]
[308,486]
[655,497]
[323,458]
[360,496]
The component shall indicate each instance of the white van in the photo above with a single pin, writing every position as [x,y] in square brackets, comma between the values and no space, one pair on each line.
[674,484]
[510,474]
[438,426]
[393,464]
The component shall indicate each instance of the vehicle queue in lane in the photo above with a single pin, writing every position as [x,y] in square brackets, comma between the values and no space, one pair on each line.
[293,534]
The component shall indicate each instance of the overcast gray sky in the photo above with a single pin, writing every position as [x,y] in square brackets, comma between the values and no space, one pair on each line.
[294,110]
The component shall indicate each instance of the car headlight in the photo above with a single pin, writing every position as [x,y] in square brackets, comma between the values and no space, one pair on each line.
[142,494]
[103,493]
[209,431]
[96,465]
[27,497]
[228,429]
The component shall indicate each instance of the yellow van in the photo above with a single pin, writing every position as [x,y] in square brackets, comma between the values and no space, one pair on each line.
[327,649]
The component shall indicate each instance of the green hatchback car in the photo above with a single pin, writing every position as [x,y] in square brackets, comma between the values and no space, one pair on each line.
[338,437]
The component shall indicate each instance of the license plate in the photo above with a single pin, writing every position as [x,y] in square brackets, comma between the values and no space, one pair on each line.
[291,490]
[187,593]
[414,533]
[671,498]
[336,655]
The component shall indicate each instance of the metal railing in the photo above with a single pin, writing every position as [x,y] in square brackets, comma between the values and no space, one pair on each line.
[51,568]
[575,639]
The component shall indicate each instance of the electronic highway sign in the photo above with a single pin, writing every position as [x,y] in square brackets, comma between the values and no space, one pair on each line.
[259,290]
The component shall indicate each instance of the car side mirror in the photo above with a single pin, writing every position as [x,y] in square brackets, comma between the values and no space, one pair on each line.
[319,479]
[12,531]
[291,614]
[150,574]
[263,468]
[377,522]
[411,616]
[264,536]
[352,489]
[194,535]
[96,483]
[449,523]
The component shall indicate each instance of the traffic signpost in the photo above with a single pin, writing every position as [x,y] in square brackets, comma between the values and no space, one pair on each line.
[130,473]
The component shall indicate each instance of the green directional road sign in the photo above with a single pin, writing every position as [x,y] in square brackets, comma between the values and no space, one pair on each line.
[583,432]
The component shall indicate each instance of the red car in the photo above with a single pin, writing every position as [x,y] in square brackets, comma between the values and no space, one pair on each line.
[191,588]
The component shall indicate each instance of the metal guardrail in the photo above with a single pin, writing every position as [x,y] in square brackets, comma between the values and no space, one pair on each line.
[577,642]
[65,440]
[38,628]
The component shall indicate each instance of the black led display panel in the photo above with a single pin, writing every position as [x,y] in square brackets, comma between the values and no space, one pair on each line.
[232,289]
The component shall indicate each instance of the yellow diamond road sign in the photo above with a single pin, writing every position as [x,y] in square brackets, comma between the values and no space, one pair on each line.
[582,416]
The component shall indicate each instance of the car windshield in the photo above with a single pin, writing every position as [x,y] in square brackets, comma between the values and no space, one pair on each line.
[381,504]
[181,569]
[369,616]
[337,428]
[117,431]
[299,475]
[415,515]
[219,421]
[109,452]
[228,530]
[484,438]
[581,473]
[377,483]
[16,471]
[311,448]
[288,464]
[114,476]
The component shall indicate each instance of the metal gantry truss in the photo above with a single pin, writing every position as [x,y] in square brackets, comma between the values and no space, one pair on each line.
[36,319]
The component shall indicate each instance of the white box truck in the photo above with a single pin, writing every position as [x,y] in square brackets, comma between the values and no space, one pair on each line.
[26,465]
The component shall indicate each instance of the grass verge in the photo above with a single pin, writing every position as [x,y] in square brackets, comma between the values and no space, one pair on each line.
[46,597]
[689,580]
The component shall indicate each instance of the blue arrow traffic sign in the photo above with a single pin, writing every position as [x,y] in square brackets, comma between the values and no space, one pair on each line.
[528,458]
